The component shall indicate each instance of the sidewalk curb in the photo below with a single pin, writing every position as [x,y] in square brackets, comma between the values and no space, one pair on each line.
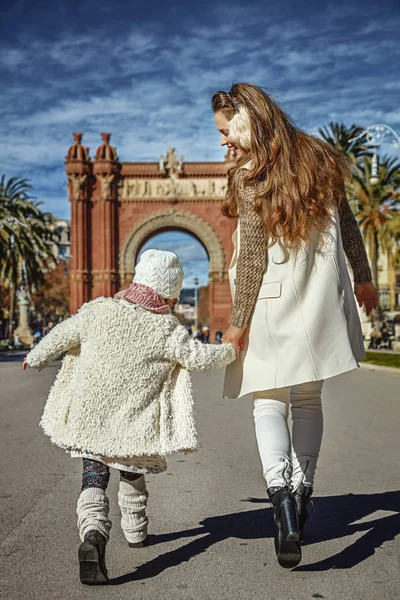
[373,367]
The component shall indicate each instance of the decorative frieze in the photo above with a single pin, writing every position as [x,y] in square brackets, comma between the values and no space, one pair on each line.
[83,276]
[104,275]
[136,189]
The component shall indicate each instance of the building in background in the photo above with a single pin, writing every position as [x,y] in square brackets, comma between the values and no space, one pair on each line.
[116,207]
[186,310]
[389,282]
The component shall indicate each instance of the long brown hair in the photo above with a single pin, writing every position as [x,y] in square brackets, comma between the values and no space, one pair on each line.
[299,177]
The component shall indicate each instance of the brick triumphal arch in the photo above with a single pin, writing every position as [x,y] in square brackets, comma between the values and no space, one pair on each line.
[117,206]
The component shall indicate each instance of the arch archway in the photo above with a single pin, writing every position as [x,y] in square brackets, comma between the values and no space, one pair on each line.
[117,206]
[178,221]
[173,220]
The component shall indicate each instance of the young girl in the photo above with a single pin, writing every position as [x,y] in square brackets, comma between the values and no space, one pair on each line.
[123,397]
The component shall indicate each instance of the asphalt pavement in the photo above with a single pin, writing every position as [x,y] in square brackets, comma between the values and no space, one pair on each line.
[210,523]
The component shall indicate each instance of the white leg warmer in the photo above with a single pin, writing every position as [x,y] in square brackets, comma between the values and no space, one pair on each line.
[92,511]
[132,500]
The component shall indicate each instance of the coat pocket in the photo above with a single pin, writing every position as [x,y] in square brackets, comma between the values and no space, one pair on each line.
[270,290]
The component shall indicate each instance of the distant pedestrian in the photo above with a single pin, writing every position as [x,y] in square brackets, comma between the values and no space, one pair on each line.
[386,341]
[376,337]
[123,398]
[36,337]
[206,334]
[218,337]
[197,335]
[48,328]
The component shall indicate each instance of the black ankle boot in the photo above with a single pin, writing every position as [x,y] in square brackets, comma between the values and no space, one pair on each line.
[302,496]
[287,537]
[92,564]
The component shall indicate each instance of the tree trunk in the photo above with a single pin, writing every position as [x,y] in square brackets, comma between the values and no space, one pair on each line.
[11,315]
[374,255]
[374,258]
[392,280]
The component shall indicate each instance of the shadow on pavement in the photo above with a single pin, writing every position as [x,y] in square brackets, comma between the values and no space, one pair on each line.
[340,516]
[336,517]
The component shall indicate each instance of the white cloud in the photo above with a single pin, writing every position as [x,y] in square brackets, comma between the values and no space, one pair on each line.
[151,87]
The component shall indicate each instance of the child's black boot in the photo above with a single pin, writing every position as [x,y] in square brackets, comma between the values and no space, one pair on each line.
[92,564]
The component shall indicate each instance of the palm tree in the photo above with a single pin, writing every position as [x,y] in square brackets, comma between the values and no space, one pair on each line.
[343,138]
[26,239]
[377,206]
[390,242]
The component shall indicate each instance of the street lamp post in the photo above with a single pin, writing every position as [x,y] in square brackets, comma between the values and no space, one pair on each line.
[375,136]
[196,302]
[23,331]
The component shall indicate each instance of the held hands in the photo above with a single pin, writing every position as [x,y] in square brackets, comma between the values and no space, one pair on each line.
[234,336]
[367,295]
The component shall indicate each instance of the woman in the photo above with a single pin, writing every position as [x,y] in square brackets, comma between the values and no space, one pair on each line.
[294,315]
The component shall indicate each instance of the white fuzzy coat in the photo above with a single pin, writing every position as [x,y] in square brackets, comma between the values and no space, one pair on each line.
[121,390]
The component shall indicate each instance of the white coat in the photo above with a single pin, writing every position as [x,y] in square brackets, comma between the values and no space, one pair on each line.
[124,388]
[305,325]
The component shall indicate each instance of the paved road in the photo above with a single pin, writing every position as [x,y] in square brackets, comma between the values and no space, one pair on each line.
[212,528]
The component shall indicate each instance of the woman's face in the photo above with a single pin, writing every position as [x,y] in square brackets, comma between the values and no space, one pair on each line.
[222,124]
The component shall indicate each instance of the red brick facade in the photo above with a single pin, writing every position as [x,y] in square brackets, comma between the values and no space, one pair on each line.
[117,207]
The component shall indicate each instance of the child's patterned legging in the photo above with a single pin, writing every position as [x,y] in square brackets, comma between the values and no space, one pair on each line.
[93,505]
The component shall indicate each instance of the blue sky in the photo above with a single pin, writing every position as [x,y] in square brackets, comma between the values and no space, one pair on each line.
[146,72]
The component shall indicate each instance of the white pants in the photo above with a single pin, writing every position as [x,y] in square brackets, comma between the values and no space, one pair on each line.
[288,461]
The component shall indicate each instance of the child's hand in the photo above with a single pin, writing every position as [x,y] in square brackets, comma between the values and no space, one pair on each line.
[25,364]
[237,350]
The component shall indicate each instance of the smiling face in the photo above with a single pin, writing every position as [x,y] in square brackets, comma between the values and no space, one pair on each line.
[222,125]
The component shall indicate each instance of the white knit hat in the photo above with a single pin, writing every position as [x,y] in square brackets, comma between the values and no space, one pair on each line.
[161,271]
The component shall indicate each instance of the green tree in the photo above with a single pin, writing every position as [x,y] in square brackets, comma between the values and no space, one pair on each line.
[390,242]
[344,139]
[377,206]
[26,239]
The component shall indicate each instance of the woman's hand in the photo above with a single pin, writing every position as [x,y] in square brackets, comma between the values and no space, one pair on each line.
[234,336]
[367,295]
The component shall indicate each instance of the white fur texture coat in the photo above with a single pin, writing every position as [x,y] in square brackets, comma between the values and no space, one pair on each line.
[121,390]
